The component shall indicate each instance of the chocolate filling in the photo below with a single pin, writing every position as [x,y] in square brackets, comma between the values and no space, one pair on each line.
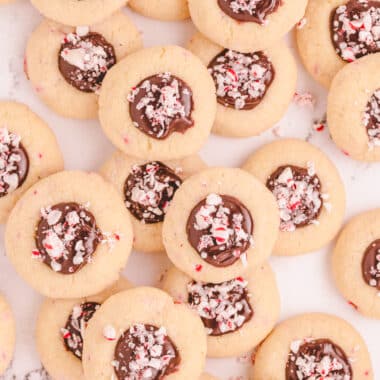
[145,352]
[355,29]
[371,264]
[298,194]
[66,237]
[149,189]
[73,331]
[241,79]
[249,10]
[161,105]
[224,308]
[220,229]
[318,360]
[14,162]
[84,60]
[371,119]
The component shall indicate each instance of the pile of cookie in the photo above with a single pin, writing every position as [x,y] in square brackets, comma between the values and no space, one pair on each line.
[69,233]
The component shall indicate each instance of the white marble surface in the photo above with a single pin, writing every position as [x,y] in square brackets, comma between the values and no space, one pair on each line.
[305,282]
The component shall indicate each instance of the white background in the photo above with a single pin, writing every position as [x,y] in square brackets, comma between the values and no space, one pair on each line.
[305,282]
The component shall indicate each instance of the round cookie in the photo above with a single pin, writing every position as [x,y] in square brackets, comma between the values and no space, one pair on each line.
[7,334]
[69,236]
[355,263]
[74,12]
[221,224]
[237,314]
[29,151]
[313,346]
[353,109]
[247,25]
[309,193]
[150,315]
[166,10]
[60,328]
[344,30]
[147,188]
[66,66]
[254,89]
[158,103]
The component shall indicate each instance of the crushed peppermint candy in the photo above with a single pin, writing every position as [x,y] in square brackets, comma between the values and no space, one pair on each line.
[220,229]
[149,190]
[84,59]
[241,79]
[145,352]
[161,105]
[298,194]
[14,162]
[67,236]
[249,10]
[371,120]
[224,307]
[319,359]
[76,324]
[304,99]
[355,29]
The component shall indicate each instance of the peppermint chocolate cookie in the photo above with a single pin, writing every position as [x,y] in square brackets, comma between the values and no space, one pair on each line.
[67,65]
[356,263]
[78,12]
[7,334]
[60,329]
[237,314]
[309,192]
[221,223]
[246,25]
[142,334]
[28,152]
[253,89]
[166,10]
[158,103]
[69,236]
[344,30]
[147,189]
[353,109]
[313,347]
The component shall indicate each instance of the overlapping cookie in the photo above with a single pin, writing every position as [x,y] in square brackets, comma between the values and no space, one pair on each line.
[237,314]
[147,189]
[67,65]
[253,89]
[158,103]
[28,152]
[69,236]
[155,338]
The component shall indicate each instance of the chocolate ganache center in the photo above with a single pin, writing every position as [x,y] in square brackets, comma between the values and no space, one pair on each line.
[355,29]
[317,360]
[241,79]
[84,59]
[149,190]
[224,308]
[14,162]
[298,194]
[249,10]
[220,229]
[161,105]
[371,264]
[145,352]
[67,237]
[77,322]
